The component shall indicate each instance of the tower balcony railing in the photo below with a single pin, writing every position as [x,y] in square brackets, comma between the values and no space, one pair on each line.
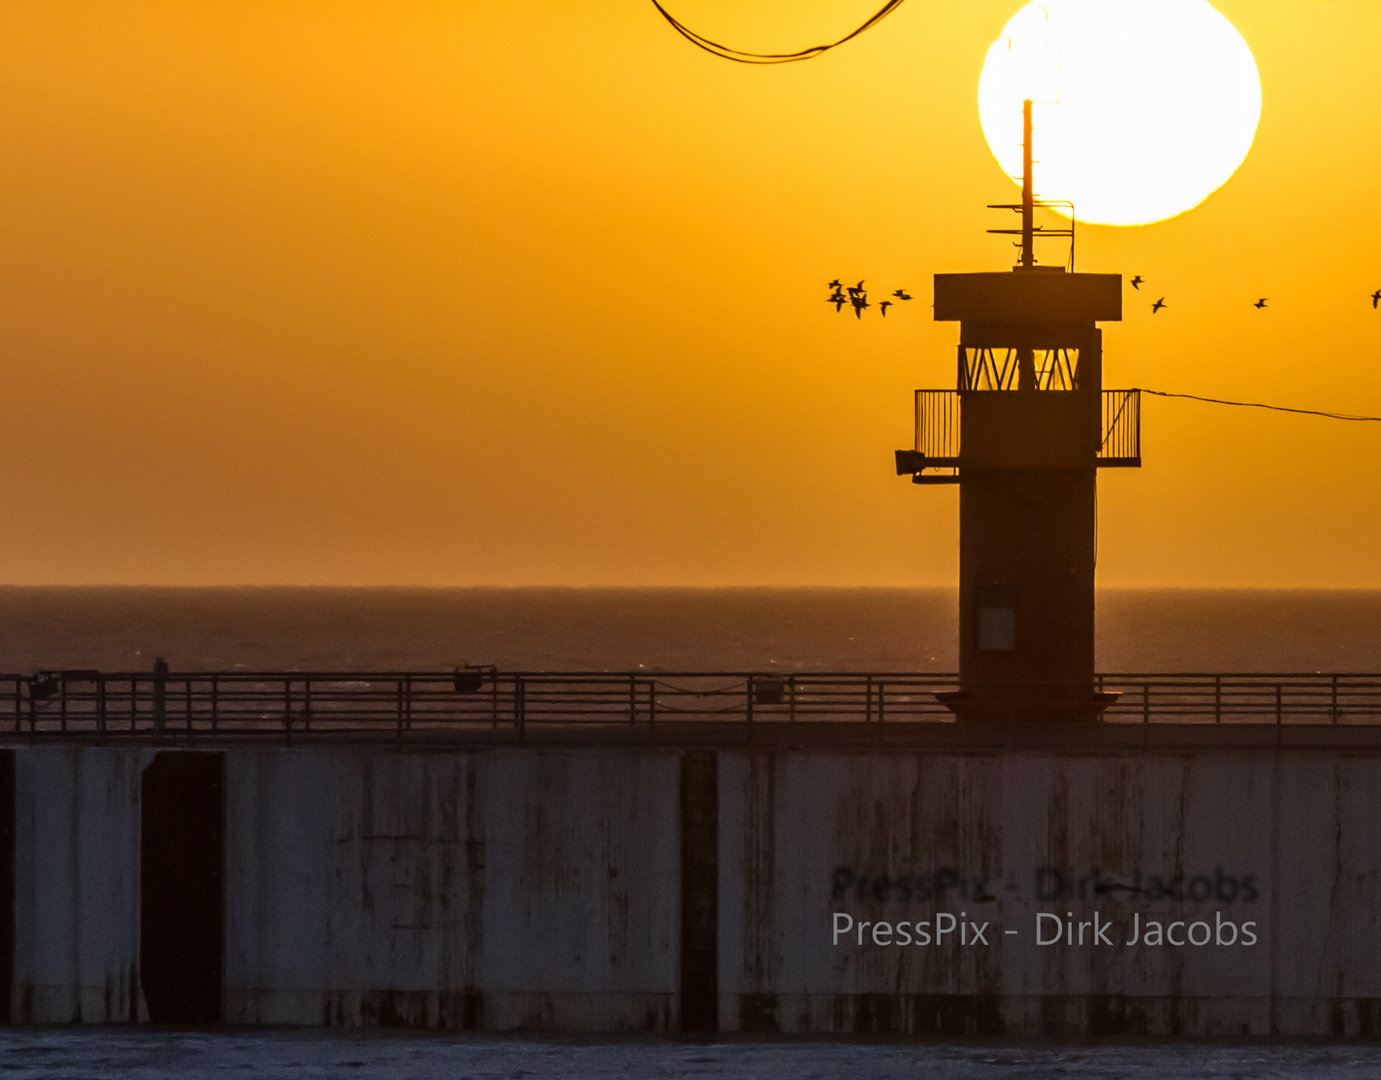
[1121,446]
[938,427]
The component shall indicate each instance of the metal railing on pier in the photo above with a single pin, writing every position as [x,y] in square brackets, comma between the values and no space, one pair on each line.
[101,706]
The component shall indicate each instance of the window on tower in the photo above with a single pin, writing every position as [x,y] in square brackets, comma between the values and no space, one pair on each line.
[995,368]
[997,619]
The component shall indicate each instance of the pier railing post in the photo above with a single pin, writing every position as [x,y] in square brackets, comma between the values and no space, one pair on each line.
[1145,715]
[748,712]
[882,709]
[651,710]
[160,698]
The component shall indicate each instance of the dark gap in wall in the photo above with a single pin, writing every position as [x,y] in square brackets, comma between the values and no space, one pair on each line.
[182,889]
[699,891]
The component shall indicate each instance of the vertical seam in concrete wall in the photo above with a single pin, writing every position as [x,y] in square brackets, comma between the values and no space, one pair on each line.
[74,850]
[1273,1019]
[758,1007]
[7,855]
[472,1001]
[699,891]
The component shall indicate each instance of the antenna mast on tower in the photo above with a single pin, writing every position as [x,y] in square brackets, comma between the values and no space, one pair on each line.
[1029,229]
[1028,247]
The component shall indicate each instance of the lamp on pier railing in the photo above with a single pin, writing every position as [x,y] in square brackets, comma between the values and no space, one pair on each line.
[469,678]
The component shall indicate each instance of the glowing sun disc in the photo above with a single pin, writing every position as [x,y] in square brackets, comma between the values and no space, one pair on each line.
[1152,104]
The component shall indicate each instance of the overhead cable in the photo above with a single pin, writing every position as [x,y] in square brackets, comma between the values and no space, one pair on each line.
[724,52]
[1258,405]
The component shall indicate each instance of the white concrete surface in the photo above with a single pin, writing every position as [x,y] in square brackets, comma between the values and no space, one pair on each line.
[76,885]
[501,888]
[506,889]
[1302,827]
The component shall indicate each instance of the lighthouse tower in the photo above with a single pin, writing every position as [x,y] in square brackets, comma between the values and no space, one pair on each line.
[1023,434]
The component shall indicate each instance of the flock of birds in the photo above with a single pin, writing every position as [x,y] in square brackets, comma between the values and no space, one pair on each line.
[1259,303]
[856,296]
[1138,281]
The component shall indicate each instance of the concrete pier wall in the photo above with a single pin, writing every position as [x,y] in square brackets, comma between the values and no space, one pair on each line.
[493,890]
[76,885]
[543,888]
[1284,847]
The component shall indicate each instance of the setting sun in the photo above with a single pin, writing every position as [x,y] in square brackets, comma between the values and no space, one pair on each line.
[1145,107]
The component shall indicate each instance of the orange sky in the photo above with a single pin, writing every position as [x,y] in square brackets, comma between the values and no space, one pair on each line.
[447,293]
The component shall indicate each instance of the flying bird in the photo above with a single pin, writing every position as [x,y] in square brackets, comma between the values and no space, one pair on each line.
[859,301]
[838,299]
[859,286]
[902,294]
[1158,305]
[882,307]
[835,284]
[1375,299]
[1261,303]
[1136,282]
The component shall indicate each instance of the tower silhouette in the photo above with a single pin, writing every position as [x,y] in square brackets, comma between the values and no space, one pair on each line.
[1023,435]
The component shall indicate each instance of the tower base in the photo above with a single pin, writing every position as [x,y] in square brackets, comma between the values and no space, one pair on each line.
[1050,705]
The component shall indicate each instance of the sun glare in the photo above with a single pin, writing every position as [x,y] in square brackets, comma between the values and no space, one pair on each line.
[1144,107]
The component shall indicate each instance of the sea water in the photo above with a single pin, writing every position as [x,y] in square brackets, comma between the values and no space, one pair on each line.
[840,630]
[131,1054]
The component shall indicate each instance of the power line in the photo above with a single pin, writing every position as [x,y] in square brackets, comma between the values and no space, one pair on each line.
[739,56]
[724,52]
[1258,405]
